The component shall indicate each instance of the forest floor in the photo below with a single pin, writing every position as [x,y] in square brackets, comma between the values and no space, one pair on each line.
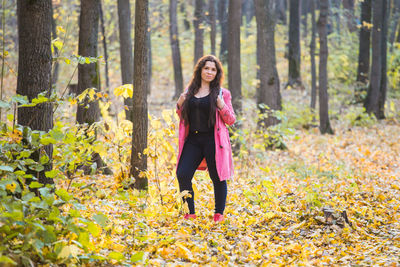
[326,200]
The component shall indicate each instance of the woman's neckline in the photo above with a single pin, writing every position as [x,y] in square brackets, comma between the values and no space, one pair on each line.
[201,96]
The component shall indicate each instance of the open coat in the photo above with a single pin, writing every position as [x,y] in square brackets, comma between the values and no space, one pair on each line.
[223,149]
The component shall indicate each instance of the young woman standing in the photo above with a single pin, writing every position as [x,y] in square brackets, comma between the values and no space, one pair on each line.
[204,109]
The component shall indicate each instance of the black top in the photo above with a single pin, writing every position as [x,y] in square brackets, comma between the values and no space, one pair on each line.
[199,113]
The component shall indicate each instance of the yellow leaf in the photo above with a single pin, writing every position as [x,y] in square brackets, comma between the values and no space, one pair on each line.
[125,90]
[68,251]
[11,187]
[166,114]
[155,124]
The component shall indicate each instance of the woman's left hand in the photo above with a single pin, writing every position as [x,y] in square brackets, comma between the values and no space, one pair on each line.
[220,102]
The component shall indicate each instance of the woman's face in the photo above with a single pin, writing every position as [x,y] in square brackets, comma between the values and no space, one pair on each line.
[208,72]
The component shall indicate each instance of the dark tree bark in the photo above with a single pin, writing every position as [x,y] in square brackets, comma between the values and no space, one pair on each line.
[395,22]
[198,30]
[88,74]
[149,55]
[234,75]
[176,53]
[364,46]
[139,131]
[294,44]
[34,70]
[247,13]
[268,91]
[336,14]
[103,32]
[348,6]
[305,9]
[126,53]
[325,126]
[383,89]
[312,54]
[213,24]
[186,21]
[280,8]
[376,96]
[223,21]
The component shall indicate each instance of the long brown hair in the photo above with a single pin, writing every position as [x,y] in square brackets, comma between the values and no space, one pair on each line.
[195,84]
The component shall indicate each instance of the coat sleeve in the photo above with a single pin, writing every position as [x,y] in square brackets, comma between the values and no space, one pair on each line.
[227,114]
[179,111]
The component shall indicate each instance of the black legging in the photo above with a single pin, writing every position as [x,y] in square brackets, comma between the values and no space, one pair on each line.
[197,146]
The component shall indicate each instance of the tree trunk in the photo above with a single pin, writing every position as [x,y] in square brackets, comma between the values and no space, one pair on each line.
[395,22]
[139,130]
[149,55]
[234,75]
[336,13]
[281,11]
[103,32]
[88,74]
[223,21]
[312,57]
[305,9]
[247,13]
[268,92]
[375,91]
[364,46]
[126,53]
[213,24]
[198,30]
[325,126]
[34,70]
[186,21]
[294,44]
[348,6]
[176,53]
[383,89]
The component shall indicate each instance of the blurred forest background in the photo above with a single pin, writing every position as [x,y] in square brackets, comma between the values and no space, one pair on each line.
[88,131]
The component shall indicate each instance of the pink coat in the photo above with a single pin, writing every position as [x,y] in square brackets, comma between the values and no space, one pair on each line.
[223,149]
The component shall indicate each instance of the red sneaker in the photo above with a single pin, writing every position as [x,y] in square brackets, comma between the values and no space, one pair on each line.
[189,216]
[218,217]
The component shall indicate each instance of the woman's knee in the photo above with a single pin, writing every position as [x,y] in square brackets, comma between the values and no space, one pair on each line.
[183,176]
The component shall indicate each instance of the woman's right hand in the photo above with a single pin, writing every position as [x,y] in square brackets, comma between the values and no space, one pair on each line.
[181,99]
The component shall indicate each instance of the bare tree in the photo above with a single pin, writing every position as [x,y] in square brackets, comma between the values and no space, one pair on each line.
[223,21]
[348,6]
[365,42]
[213,24]
[234,75]
[280,7]
[88,74]
[126,53]
[176,53]
[305,9]
[294,45]
[104,39]
[376,96]
[198,30]
[268,92]
[141,85]
[325,126]
[312,58]
[34,70]
[395,22]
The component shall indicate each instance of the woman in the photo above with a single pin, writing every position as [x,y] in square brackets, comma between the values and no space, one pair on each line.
[204,109]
